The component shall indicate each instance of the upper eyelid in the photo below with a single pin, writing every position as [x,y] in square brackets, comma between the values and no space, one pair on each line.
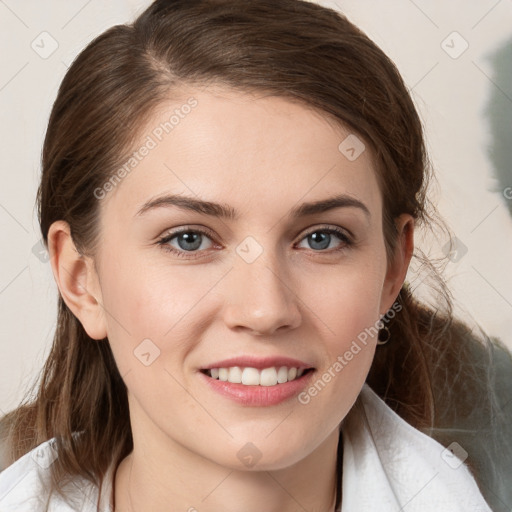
[313,229]
[171,234]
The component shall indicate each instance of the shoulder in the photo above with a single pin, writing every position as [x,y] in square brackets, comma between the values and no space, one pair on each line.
[24,485]
[387,460]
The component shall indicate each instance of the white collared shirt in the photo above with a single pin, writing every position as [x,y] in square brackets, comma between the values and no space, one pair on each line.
[388,466]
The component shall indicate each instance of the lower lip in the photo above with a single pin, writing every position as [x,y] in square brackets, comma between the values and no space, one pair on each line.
[258,396]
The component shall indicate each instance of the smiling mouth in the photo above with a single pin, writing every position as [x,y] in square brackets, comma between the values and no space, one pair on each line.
[248,376]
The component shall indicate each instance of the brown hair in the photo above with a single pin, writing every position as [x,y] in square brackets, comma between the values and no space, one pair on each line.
[289,48]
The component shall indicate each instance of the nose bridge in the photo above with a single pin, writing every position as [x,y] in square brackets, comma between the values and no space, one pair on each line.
[260,297]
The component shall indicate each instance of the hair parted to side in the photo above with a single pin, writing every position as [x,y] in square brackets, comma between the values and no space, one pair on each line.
[290,48]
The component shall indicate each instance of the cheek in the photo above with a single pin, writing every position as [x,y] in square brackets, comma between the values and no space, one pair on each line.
[348,312]
[149,302]
[347,301]
[146,298]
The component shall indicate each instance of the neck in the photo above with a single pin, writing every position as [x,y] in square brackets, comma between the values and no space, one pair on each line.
[151,478]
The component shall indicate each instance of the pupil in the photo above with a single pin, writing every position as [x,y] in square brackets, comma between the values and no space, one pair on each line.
[189,238]
[323,244]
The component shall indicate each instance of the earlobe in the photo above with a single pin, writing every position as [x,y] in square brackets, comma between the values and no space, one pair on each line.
[77,280]
[397,270]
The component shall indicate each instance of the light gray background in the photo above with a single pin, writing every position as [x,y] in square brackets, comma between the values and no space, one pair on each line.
[454,92]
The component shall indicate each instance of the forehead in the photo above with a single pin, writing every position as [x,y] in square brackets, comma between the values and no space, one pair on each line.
[244,149]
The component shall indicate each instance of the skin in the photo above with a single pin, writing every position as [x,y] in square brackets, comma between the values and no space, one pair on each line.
[263,156]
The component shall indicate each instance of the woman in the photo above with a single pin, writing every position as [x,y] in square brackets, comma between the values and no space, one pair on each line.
[229,197]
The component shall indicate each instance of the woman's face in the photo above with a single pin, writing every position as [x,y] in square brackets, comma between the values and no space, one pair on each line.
[268,279]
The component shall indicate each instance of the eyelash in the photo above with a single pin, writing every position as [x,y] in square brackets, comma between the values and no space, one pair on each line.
[164,241]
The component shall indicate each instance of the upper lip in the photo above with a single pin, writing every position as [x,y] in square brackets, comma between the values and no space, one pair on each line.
[259,362]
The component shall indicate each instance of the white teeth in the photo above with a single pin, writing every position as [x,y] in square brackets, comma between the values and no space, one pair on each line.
[235,375]
[268,377]
[282,375]
[251,377]
[254,377]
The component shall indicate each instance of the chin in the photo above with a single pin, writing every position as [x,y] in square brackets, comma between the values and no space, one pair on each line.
[261,457]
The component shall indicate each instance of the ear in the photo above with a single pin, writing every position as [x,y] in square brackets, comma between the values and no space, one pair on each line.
[77,280]
[397,269]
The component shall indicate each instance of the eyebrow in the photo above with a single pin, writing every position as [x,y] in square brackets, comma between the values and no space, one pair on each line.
[225,211]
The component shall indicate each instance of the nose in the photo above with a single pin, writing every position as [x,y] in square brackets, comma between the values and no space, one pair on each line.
[260,298]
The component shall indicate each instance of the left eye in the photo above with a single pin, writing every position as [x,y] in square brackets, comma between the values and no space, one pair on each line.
[323,241]
[191,240]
